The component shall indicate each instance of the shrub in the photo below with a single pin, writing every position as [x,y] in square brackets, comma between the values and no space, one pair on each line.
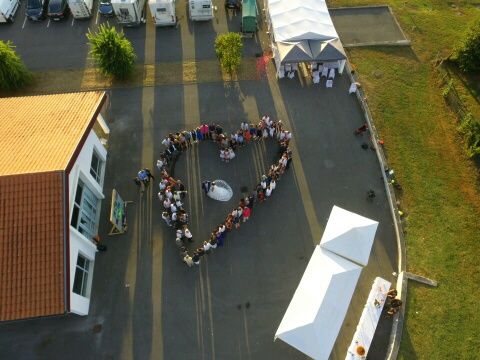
[467,52]
[13,72]
[112,52]
[470,128]
[446,90]
[228,48]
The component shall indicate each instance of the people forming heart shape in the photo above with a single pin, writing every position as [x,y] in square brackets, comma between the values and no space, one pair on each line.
[172,192]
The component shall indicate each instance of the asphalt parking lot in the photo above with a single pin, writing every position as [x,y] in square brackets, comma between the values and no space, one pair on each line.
[145,302]
[49,45]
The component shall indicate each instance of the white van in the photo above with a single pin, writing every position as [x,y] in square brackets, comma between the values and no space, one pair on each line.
[128,12]
[163,12]
[8,9]
[81,9]
[200,10]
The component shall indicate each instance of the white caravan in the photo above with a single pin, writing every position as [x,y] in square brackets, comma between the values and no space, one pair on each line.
[7,10]
[81,9]
[163,12]
[200,10]
[128,12]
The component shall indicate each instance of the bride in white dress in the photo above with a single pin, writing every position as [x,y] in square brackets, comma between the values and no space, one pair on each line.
[220,191]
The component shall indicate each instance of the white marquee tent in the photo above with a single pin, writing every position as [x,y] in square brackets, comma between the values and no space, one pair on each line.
[294,20]
[319,305]
[317,310]
[349,235]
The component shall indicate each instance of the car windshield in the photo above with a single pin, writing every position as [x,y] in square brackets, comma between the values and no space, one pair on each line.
[55,6]
[34,4]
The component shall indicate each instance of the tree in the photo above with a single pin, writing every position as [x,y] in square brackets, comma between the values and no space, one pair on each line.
[467,52]
[112,52]
[229,51]
[13,72]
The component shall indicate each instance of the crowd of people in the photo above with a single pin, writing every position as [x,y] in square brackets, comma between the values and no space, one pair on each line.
[172,192]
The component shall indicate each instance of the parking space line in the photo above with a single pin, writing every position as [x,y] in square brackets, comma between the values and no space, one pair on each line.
[24,22]
[48,23]
[73,21]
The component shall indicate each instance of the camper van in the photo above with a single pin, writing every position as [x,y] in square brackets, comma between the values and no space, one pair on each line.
[128,12]
[163,12]
[200,10]
[7,10]
[81,9]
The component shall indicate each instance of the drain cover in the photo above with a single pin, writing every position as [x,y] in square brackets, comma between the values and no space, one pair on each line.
[97,328]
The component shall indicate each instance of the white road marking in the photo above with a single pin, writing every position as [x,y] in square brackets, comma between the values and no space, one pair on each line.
[73,21]
[24,22]
[48,24]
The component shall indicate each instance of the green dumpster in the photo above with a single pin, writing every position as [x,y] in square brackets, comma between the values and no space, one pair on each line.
[249,16]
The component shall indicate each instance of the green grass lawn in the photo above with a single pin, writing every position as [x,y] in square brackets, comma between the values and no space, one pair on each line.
[441,186]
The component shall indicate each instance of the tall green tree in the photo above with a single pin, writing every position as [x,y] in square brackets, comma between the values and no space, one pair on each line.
[112,52]
[13,72]
[228,48]
[467,51]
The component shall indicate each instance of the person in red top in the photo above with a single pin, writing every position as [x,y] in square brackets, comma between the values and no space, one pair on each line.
[246,213]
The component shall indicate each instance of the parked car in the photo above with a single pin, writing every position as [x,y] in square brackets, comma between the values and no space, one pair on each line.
[36,9]
[105,8]
[233,4]
[58,9]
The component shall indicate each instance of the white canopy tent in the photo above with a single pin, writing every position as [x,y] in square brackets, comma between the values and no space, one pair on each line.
[303,25]
[349,235]
[294,20]
[319,305]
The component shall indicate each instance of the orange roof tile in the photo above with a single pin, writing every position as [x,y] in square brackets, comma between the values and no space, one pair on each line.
[32,275]
[41,133]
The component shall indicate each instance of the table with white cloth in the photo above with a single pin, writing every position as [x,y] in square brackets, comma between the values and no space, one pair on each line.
[368,321]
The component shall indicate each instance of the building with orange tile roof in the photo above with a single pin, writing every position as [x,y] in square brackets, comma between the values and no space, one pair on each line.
[52,165]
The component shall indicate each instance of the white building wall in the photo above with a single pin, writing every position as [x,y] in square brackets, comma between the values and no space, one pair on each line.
[78,242]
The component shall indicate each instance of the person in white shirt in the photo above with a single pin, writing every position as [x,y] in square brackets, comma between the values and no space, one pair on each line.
[179,233]
[166,141]
[207,246]
[273,184]
[174,217]
[178,204]
[160,196]
[231,154]
[162,185]
[173,208]
[168,193]
[166,203]
[188,234]
[268,192]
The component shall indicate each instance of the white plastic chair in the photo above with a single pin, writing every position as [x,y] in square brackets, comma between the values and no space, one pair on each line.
[331,75]
[325,71]
[329,83]
[291,74]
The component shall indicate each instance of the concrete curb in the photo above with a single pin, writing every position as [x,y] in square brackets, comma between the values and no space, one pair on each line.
[397,327]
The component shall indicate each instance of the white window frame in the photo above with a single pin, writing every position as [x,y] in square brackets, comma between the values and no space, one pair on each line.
[86,270]
[97,174]
[86,209]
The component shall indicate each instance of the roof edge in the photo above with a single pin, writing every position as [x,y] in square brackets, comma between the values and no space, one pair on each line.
[89,127]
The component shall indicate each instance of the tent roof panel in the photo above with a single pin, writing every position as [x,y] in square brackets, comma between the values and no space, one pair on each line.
[306,19]
[315,314]
[349,235]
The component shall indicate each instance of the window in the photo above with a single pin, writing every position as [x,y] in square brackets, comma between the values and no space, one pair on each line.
[162,10]
[81,276]
[96,167]
[84,214]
